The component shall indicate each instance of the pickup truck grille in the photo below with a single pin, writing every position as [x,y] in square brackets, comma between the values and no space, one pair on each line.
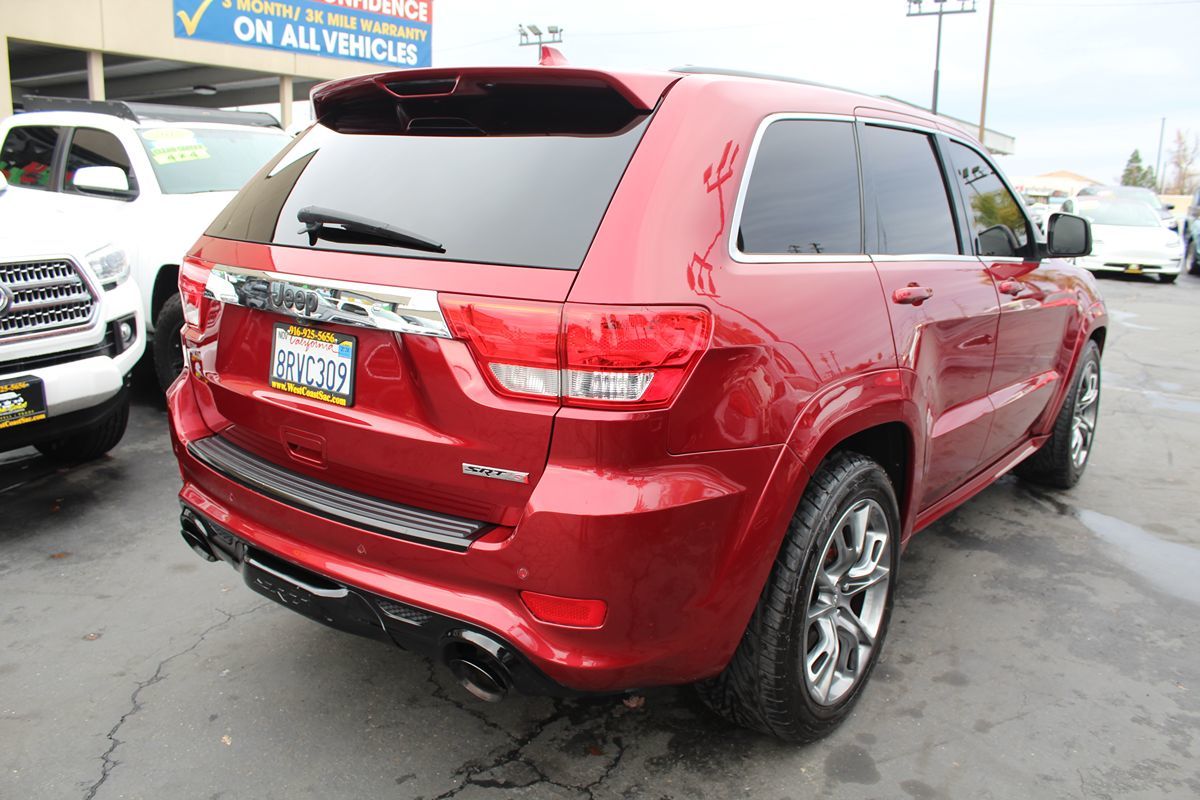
[41,296]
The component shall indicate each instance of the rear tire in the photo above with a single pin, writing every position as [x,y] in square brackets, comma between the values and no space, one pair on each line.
[821,619]
[168,349]
[1062,459]
[90,443]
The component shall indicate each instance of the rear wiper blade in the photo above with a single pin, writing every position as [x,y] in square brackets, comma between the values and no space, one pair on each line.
[354,229]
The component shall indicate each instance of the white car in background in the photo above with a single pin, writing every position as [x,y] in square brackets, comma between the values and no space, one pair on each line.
[1128,237]
[70,333]
[154,176]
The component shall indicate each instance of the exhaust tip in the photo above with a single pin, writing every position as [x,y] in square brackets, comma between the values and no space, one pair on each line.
[192,529]
[483,683]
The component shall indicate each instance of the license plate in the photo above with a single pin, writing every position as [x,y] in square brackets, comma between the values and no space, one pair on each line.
[1134,269]
[22,400]
[313,363]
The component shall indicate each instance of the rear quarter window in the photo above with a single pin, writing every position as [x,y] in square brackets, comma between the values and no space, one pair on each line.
[803,195]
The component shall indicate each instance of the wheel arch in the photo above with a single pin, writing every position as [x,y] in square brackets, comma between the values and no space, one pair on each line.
[877,416]
[166,283]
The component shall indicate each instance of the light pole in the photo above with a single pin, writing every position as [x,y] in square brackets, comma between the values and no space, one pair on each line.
[526,33]
[922,8]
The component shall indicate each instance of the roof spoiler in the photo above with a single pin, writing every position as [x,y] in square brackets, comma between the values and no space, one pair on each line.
[341,104]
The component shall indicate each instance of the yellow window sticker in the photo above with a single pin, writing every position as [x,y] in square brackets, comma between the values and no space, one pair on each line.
[160,134]
[176,153]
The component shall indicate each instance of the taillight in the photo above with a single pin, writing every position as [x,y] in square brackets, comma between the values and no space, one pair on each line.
[193,277]
[617,355]
[581,355]
[514,342]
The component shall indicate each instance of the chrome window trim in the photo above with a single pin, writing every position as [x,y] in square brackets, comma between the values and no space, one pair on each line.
[412,311]
[743,188]
[85,275]
[894,257]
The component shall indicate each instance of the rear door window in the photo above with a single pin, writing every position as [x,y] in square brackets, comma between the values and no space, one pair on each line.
[998,226]
[525,200]
[27,156]
[96,148]
[907,198]
[803,193]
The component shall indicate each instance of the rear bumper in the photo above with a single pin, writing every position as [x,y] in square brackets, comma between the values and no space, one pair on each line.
[1146,266]
[359,611]
[678,554]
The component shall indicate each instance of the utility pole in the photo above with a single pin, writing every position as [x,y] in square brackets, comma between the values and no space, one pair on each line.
[1158,183]
[987,67]
[527,32]
[921,8]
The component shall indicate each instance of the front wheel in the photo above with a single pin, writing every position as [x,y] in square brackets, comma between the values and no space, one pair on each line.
[821,619]
[168,349]
[90,443]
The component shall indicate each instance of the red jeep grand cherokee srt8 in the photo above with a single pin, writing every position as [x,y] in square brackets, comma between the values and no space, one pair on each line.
[583,381]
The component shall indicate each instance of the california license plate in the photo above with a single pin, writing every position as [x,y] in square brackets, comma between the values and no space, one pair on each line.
[22,400]
[313,363]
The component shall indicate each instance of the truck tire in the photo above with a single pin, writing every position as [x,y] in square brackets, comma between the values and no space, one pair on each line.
[1062,459]
[168,350]
[90,443]
[821,619]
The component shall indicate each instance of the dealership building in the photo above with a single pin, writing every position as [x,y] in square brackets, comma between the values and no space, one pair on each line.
[213,53]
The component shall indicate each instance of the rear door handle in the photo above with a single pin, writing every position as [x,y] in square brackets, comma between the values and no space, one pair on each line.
[912,295]
[1013,288]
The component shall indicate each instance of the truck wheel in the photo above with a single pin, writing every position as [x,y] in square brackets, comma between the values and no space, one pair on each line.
[1061,460]
[821,620]
[168,350]
[92,442]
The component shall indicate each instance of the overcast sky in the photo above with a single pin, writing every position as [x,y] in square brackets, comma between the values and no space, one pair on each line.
[1079,83]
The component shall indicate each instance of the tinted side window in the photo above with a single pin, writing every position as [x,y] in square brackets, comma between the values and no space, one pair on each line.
[27,156]
[803,192]
[96,148]
[998,225]
[906,193]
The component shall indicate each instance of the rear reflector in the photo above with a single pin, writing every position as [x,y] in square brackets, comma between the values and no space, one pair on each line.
[581,355]
[566,610]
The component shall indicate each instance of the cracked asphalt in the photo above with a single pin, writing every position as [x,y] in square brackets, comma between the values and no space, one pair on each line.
[1044,644]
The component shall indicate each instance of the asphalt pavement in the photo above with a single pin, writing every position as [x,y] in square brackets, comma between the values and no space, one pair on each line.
[1044,645]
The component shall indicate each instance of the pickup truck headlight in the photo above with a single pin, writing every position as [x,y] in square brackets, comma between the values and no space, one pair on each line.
[110,265]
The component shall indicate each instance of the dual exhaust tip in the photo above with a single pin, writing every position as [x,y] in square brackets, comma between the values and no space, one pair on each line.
[477,661]
[195,533]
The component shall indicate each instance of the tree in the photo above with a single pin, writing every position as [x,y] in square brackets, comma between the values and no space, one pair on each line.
[1136,174]
[1182,163]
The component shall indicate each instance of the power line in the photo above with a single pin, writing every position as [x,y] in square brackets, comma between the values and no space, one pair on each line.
[1116,4]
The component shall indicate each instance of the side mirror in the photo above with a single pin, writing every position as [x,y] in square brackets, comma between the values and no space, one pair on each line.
[1068,236]
[1169,206]
[108,180]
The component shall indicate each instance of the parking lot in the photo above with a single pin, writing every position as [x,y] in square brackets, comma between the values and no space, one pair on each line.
[1043,645]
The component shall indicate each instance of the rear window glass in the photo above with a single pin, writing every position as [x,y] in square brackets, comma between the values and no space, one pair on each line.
[519,200]
[27,155]
[907,193]
[803,192]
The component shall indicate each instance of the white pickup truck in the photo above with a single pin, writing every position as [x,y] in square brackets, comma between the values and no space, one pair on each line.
[153,176]
[70,332]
